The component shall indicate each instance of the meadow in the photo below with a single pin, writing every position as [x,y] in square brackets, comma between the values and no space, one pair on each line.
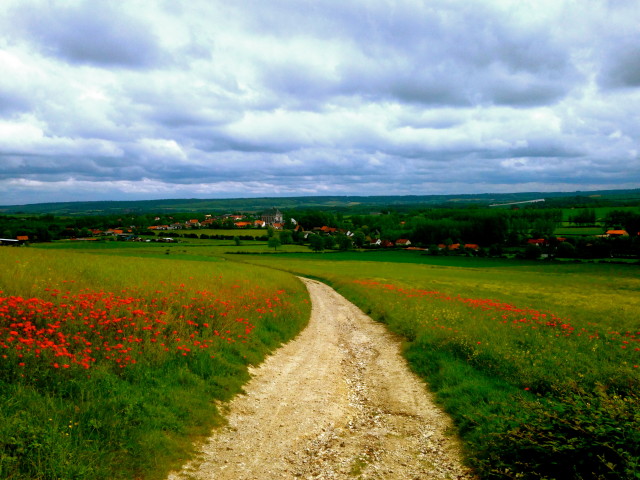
[111,365]
[538,363]
[183,249]
[257,233]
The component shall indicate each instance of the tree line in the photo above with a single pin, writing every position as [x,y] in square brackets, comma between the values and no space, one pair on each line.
[426,227]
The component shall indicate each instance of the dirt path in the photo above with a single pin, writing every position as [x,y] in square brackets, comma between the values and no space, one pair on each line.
[336,402]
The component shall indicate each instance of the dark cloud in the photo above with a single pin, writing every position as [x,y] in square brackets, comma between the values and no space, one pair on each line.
[96,33]
[11,104]
[621,68]
[432,54]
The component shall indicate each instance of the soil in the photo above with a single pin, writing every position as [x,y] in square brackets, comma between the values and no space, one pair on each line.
[338,401]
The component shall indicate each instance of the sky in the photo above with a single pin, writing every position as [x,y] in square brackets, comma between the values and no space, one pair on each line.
[155,99]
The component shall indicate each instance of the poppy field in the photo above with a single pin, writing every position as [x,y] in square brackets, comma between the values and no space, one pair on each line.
[537,363]
[109,365]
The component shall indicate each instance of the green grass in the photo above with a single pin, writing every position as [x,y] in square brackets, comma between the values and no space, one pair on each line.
[167,339]
[601,212]
[184,249]
[403,256]
[570,231]
[234,232]
[532,396]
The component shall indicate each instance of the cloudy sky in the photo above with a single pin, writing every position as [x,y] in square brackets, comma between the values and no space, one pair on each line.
[143,99]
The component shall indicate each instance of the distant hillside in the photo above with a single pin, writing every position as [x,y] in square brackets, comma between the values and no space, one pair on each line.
[354,204]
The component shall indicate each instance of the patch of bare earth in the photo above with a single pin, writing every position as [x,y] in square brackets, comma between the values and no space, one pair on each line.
[336,402]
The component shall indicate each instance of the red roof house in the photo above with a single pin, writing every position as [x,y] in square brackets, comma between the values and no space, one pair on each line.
[536,241]
[617,233]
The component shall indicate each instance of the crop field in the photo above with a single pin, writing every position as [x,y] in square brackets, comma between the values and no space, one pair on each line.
[233,232]
[572,231]
[601,212]
[110,364]
[184,248]
[119,348]
[539,364]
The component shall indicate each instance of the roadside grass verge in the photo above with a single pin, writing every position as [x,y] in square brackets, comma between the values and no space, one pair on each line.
[110,366]
[538,364]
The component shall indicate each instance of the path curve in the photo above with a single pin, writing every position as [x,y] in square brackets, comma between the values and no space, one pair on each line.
[336,402]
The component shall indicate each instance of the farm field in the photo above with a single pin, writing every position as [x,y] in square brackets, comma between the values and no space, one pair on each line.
[571,231]
[233,232]
[601,212]
[538,363]
[185,248]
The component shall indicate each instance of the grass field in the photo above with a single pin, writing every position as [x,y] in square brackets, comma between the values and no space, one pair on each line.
[184,248]
[601,212]
[537,362]
[572,231]
[233,232]
[111,364]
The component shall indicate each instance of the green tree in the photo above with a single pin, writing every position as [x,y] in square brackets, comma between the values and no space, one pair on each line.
[532,252]
[316,243]
[43,234]
[344,242]
[359,238]
[298,237]
[274,242]
[495,250]
[586,216]
[286,237]
[565,250]
[314,218]
[329,242]
[543,228]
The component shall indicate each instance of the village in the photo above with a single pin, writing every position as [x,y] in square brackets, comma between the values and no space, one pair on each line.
[271,220]
[528,233]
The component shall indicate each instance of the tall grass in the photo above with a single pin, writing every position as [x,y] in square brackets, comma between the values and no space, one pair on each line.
[539,365]
[110,365]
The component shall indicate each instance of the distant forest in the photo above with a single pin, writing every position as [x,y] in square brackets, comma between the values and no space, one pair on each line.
[345,204]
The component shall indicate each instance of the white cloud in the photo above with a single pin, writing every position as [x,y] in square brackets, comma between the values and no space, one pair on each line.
[27,136]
